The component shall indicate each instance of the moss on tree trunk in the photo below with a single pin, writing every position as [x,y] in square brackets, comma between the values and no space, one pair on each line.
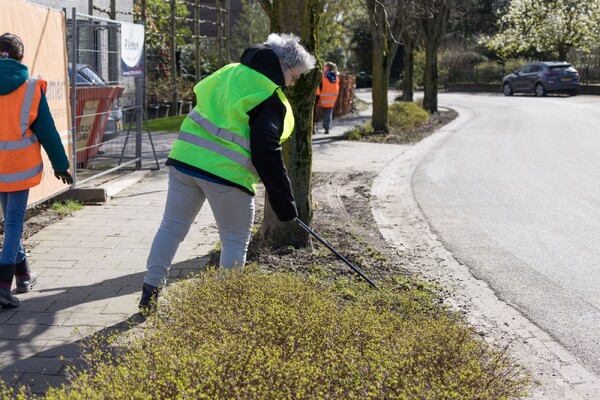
[300,18]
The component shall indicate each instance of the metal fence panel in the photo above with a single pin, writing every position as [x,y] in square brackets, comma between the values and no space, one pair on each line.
[106,105]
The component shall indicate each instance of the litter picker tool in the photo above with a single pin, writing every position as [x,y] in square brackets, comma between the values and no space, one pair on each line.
[341,257]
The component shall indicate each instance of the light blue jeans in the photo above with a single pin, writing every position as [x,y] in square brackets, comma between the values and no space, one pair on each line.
[232,208]
[14,205]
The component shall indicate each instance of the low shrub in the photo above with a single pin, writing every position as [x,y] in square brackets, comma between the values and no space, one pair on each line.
[404,116]
[404,119]
[249,335]
[358,132]
[458,65]
[489,72]
[160,90]
[514,64]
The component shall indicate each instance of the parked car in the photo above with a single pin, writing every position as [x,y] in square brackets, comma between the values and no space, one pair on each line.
[364,80]
[541,78]
[86,76]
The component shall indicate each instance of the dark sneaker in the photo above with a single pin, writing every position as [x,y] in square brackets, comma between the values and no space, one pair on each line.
[24,283]
[7,300]
[149,298]
[327,131]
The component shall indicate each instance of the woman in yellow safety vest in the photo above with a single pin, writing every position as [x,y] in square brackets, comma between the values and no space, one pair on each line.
[327,93]
[228,142]
[26,124]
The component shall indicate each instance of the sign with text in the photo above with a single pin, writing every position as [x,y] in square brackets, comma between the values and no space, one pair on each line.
[132,49]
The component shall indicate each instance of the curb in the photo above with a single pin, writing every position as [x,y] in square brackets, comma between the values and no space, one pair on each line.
[104,191]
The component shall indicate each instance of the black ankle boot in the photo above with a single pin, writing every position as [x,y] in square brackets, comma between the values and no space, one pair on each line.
[7,300]
[149,298]
[24,278]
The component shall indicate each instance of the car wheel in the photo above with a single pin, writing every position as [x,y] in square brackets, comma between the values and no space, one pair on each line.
[539,90]
[507,89]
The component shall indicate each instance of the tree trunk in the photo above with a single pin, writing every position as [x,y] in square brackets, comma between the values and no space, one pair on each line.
[300,18]
[173,110]
[380,91]
[409,69]
[385,29]
[434,28]
[430,81]
[562,50]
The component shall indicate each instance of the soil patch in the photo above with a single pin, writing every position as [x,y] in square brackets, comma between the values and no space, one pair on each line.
[36,219]
[342,217]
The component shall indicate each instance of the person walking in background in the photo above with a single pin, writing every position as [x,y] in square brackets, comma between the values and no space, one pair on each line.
[26,124]
[327,93]
[228,142]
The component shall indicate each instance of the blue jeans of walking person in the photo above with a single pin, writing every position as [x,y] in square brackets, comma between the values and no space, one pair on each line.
[14,205]
[327,116]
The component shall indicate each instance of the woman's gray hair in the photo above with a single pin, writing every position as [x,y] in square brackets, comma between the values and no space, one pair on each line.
[288,49]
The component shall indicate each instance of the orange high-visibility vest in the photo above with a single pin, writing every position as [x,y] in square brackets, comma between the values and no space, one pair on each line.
[20,154]
[328,93]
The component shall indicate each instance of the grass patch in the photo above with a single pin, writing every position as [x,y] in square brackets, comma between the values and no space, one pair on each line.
[249,335]
[408,122]
[66,207]
[167,124]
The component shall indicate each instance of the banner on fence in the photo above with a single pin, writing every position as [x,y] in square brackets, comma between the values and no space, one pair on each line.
[43,32]
[132,49]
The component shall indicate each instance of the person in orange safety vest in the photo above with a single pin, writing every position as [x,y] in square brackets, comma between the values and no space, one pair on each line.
[327,93]
[26,126]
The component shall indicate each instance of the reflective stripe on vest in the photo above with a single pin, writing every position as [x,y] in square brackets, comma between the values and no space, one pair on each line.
[21,176]
[23,121]
[27,102]
[326,101]
[222,150]
[220,132]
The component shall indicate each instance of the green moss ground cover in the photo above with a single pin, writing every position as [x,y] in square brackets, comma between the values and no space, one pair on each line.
[249,335]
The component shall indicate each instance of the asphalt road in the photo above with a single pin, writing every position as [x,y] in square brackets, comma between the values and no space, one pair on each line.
[515,195]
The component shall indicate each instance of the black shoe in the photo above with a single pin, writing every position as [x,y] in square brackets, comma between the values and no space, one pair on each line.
[24,283]
[327,131]
[24,278]
[149,298]
[7,300]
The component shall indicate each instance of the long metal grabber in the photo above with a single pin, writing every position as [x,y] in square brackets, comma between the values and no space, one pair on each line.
[341,257]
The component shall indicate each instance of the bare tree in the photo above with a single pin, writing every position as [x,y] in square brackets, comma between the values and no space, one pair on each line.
[385,21]
[410,37]
[300,17]
[433,24]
